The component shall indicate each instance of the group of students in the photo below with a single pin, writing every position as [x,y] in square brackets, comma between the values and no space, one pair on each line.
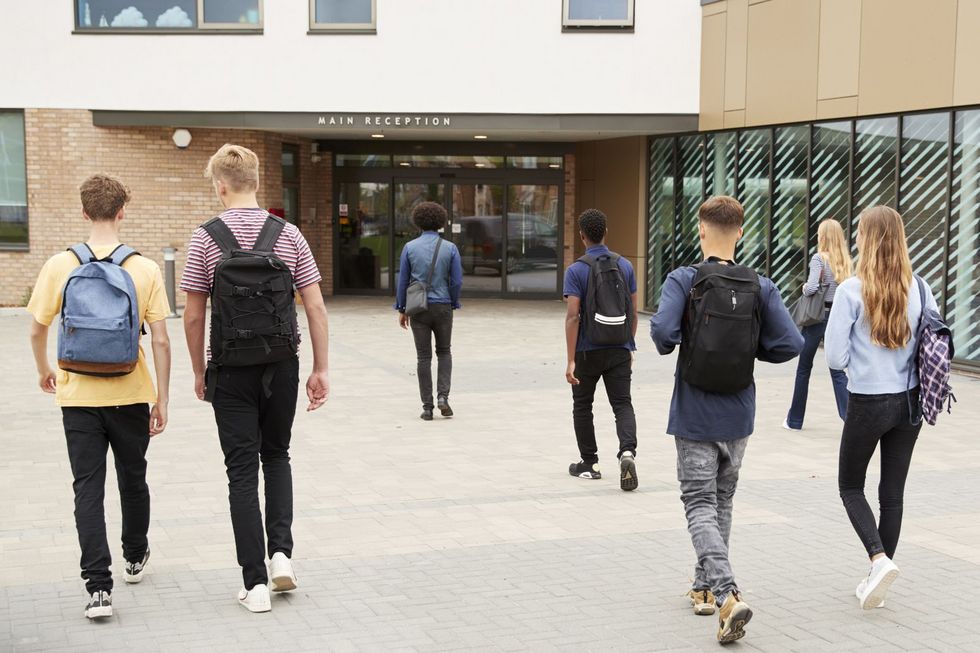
[251,265]
[723,317]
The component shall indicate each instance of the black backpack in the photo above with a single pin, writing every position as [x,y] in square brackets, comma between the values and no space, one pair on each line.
[608,309]
[253,308]
[721,327]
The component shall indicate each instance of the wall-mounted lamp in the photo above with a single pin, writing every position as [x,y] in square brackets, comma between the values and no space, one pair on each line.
[182,138]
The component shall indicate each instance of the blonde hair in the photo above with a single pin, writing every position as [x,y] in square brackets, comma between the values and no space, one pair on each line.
[236,166]
[832,246]
[886,275]
[103,196]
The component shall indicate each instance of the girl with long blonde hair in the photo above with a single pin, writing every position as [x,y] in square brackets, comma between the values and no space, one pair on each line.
[870,332]
[830,266]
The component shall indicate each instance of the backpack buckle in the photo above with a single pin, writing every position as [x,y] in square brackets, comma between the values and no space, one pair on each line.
[241,291]
[244,334]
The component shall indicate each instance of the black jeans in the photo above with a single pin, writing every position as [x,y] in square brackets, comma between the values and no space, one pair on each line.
[438,322]
[872,419]
[812,335]
[89,432]
[254,427]
[615,368]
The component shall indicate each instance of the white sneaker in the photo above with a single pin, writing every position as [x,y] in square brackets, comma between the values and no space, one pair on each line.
[256,599]
[860,590]
[788,427]
[883,574]
[281,576]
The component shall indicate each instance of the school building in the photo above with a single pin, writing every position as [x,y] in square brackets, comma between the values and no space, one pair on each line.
[514,114]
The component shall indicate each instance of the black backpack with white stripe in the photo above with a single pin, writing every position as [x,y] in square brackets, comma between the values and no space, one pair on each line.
[608,309]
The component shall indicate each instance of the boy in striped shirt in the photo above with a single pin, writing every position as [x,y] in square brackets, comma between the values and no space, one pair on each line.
[254,405]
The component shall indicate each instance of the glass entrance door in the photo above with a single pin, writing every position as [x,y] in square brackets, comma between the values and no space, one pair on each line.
[408,195]
[364,236]
[477,229]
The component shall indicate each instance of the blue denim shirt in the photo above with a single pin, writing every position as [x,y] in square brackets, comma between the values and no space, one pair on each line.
[447,280]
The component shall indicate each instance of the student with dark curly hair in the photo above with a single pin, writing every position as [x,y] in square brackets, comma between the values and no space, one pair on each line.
[418,256]
[600,327]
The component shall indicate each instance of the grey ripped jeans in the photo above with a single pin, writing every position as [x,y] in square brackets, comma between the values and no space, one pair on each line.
[708,474]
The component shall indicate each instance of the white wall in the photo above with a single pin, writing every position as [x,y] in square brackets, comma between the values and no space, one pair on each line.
[455,56]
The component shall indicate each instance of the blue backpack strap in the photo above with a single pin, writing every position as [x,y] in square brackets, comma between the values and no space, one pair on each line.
[121,254]
[83,253]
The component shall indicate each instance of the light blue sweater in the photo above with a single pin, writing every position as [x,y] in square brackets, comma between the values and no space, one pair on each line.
[871,369]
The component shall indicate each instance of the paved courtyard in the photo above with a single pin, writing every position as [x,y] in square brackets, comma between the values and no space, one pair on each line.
[468,533]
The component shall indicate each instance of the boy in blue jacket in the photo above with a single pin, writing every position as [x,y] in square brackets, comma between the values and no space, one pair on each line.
[711,429]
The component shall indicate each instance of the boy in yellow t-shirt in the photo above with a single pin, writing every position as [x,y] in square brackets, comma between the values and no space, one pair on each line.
[102,412]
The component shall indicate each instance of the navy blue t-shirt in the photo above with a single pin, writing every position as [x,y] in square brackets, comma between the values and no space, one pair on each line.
[709,416]
[577,282]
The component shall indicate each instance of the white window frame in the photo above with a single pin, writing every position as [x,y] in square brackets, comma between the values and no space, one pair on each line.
[344,28]
[201,25]
[626,24]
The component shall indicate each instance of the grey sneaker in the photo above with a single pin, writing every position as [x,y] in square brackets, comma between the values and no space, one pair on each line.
[100,606]
[133,573]
[627,472]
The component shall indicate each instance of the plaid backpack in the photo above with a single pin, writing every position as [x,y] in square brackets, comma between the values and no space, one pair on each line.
[932,356]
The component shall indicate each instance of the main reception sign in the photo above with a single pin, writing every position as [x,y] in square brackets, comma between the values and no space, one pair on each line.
[384,120]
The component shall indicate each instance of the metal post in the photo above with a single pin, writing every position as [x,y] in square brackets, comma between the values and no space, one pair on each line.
[170,270]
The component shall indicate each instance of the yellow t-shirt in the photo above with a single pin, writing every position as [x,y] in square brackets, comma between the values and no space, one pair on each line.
[93,391]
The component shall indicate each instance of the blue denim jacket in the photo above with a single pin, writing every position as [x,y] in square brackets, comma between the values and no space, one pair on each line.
[447,280]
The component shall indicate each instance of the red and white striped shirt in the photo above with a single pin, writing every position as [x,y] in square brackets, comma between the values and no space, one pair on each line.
[203,253]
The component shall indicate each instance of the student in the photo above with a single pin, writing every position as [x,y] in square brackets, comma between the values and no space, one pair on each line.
[601,348]
[446,282]
[871,332]
[114,411]
[711,428]
[829,266]
[252,373]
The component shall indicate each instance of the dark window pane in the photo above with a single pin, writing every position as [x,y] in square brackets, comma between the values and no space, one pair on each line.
[830,177]
[343,11]
[290,163]
[719,165]
[137,14]
[437,161]
[598,9]
[875,147]
[690,195]
[963,303]
[290,204]
[660,236]
[530,162]
[245,12]
[789,243]
[925,152]
[364,160]
[477,218]
[753,193]
[13,179]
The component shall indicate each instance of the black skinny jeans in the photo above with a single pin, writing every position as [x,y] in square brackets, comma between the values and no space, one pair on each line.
[438,322]
[615,368]
[872,419]
[89,433]
[253,427]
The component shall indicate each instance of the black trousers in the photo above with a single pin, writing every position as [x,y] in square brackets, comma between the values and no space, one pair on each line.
[89,433]
[872,419]
[254,427]
[438,322]
[615,368]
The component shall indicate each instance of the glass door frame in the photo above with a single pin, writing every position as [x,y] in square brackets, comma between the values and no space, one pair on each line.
[447,177]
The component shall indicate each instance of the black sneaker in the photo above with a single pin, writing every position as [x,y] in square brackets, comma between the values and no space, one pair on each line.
[443,404]
[100,606]
[134,570]
[583,469]
[627,472]
[426,414]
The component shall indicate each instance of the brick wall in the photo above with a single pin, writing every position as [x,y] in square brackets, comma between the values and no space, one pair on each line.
[170,195]
[571,232]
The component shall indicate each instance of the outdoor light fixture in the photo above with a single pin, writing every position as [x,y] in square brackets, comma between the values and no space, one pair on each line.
[377,135]
[554,165]
[405,164]
[181,138]
[480,137]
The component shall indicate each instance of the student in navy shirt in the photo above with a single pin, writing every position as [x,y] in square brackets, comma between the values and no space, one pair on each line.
[587,362]
[711,430]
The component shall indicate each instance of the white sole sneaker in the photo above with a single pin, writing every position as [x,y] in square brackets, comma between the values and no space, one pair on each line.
[99,613]
[281,576]
[788,427]
[860,591]
[877,586]
[256,599]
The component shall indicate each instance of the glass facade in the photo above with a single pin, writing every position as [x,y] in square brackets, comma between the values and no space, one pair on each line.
[789,178]
[13,181]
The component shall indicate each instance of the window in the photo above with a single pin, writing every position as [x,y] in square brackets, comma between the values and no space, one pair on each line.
[597,14]
[13,181]
[344,16]
[167,15]
[290,183]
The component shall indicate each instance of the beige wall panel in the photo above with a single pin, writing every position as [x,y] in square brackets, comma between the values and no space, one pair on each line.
[734,119]
[840,107]
[617,192]
[712,114]
[781,76]
[966,86]
[714,8]
[840,48]
[907,55]
[735,49]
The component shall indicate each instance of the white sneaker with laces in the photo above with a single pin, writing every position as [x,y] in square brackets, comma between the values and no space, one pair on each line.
[281,576]
[860,590]
[256,599]
[883,574]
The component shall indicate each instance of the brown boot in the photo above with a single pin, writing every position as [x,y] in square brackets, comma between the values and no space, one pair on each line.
[732,617]
[702,600]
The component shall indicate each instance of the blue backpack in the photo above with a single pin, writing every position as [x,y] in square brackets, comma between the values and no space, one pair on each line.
[100,325]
